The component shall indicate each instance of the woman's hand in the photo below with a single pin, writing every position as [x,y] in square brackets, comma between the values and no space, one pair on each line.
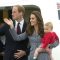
[48,50]
[9,22]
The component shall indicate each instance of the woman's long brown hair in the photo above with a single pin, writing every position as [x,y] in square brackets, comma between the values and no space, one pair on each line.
[30,29]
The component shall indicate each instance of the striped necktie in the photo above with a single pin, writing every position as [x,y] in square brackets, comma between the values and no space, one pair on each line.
[18,29]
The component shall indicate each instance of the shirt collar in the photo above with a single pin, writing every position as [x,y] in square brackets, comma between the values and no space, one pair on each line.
[21,22]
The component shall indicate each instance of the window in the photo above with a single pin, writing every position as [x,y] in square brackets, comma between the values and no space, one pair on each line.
[58,7]
[59,14]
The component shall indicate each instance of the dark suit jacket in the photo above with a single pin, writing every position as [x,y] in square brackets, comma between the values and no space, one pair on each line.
[1,46]
[12,46]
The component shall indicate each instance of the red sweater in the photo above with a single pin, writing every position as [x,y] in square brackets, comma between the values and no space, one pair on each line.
[49,38]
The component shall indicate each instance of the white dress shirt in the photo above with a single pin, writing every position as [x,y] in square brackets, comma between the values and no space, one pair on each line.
[21,24]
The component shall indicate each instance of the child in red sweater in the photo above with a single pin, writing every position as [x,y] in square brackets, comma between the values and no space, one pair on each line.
[48,39]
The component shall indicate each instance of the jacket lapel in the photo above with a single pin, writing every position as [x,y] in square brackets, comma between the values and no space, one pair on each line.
[24,27]
[14,23]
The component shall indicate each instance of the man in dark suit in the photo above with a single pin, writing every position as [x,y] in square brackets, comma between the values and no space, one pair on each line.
[15,50]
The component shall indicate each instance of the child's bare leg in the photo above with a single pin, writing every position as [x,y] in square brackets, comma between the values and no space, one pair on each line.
[36,54]
[51,57]
[37,51]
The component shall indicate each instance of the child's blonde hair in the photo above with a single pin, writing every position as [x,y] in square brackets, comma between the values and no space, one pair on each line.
[49,24]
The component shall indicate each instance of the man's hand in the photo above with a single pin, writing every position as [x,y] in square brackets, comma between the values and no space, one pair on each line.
[19,54]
